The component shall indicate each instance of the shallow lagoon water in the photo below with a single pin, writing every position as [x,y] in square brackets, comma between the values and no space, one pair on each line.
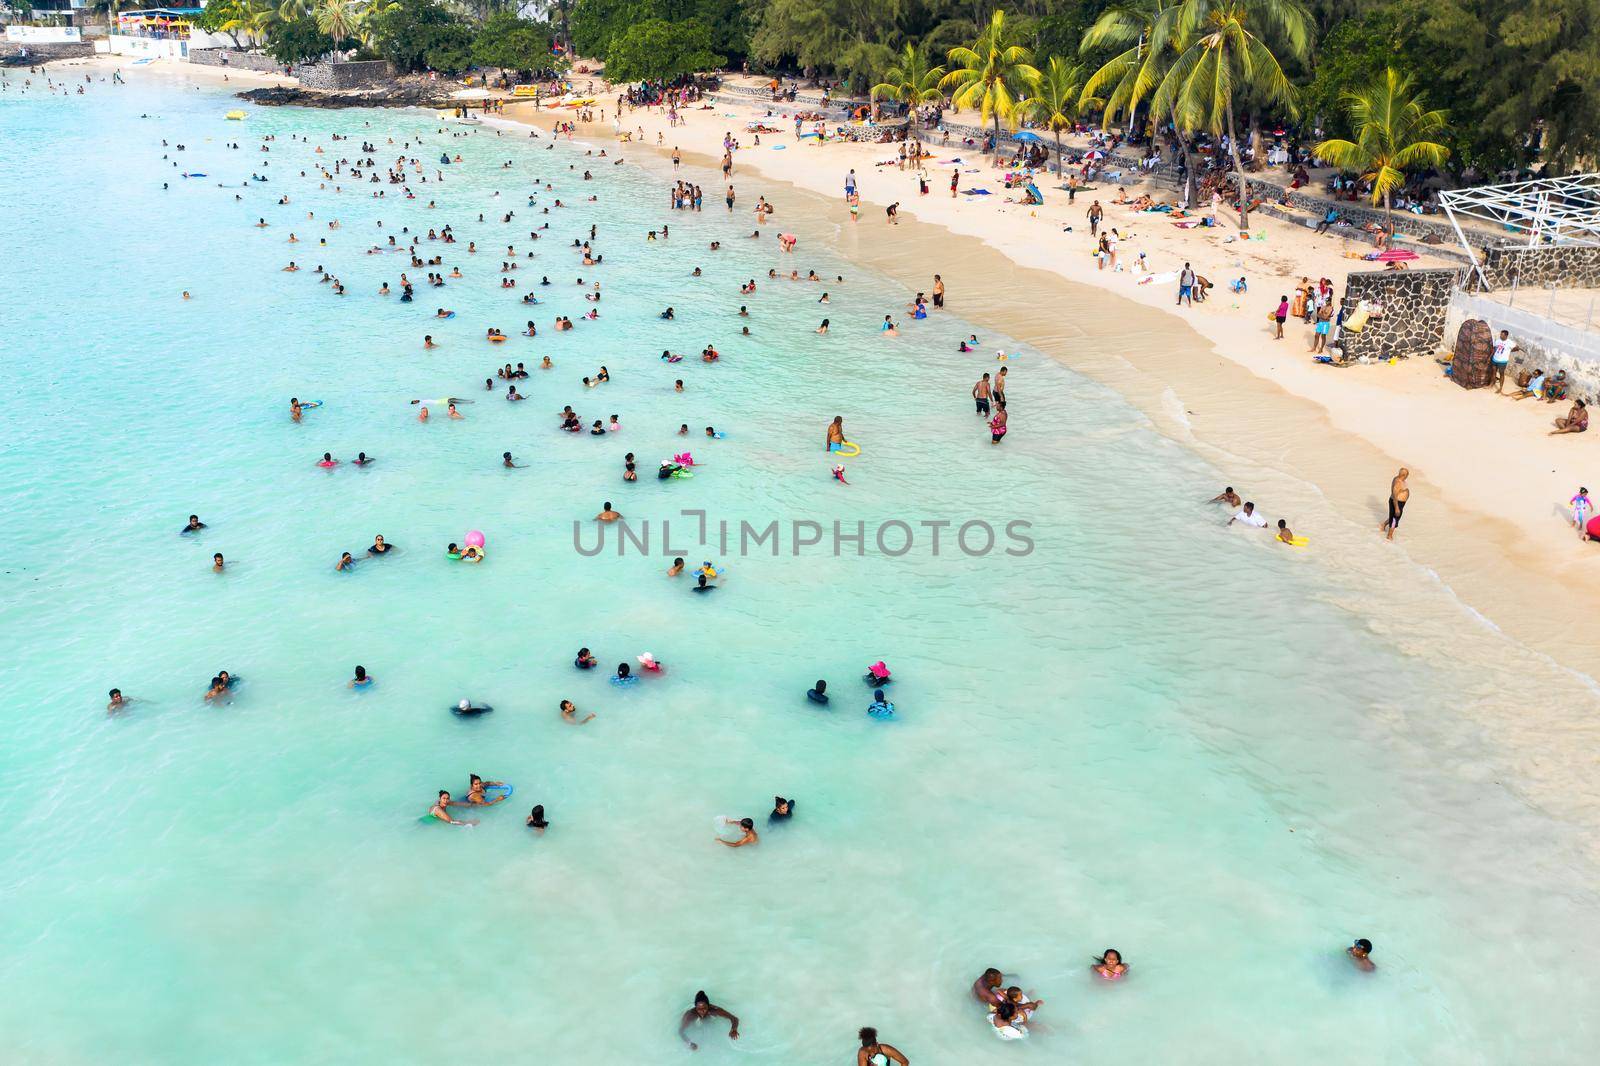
[1149,732]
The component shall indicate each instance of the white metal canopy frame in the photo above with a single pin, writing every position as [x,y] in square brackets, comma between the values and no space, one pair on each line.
[1550,211]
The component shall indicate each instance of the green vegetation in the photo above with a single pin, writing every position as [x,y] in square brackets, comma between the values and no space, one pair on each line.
[297,40]
[662,38]
[910,80]
[656,48]
[1519,80]
[1392,131]
[992,74]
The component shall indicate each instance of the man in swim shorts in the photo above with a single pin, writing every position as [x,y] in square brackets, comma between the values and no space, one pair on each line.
[980,395]
[1399,493]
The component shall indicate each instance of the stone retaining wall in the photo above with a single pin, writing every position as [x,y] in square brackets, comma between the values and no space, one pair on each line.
[227,57]
[1354,213]
[44,51]
[1409,308]
[1565,267]
[370,74]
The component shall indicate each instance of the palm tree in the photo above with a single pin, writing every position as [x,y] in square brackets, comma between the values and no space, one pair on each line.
[909,80]
[364,23]
[336,18]
[1054,101]
[1132,75]
[992,74]
[1222,55]
[260,16]
[1392,127]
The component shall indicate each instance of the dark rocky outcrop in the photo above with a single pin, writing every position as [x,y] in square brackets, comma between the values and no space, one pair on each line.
[394,96]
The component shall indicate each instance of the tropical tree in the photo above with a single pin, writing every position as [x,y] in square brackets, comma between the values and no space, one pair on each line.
[260,17]
[510,43]
[1223,57]
[909,80]
[1392,129]
[336,18]
[1054,100]
[991,74]
[1129,78]
[297,41]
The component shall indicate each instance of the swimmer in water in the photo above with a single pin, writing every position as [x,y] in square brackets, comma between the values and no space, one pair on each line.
[379,546]
[676,568]
[606,513]
[475,793]
[1227,496]
[748,828]
[453,412]
[441,812]
[782,810]
[217,563]
[536,820]
[818,694]
[194,524]
[361,459]
[345,562]
[986,989]
[506,461]
[118,701]
[874,1052]
[1360,953]
[703,1008]
[569,714]
[585,660]
[1110,965]
[422,415]
[702,586]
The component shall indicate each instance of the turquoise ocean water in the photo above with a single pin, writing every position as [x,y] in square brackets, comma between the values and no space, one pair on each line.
[1148,733]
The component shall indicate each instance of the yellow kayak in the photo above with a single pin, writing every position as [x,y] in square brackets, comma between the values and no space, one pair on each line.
[234,115]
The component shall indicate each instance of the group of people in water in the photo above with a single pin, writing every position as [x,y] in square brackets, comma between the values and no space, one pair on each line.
[1008,1009]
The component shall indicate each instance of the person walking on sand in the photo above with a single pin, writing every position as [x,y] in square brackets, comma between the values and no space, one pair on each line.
[1186,285]
[1281,315]
[1399,493]
[1096,213]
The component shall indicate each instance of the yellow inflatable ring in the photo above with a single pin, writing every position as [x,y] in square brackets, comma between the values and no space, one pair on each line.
[855,450]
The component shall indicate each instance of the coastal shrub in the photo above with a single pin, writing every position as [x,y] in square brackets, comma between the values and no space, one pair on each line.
[656,48]
[297,41]
[511,43]
[598,24]
[417,35]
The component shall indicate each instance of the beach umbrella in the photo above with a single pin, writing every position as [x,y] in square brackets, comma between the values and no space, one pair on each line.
[1096,154]
[1029,137]
[1397,255]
